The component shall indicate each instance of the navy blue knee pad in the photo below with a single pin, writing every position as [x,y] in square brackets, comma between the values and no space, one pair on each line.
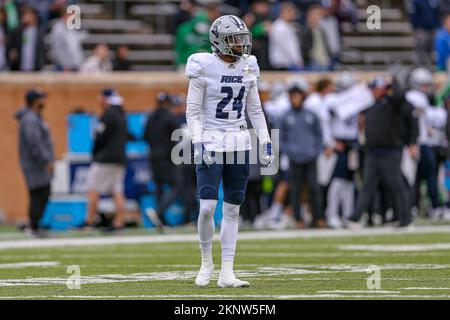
[207,192]
[236,197]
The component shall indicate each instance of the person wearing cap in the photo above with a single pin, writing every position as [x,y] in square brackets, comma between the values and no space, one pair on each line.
[107,172]
[158,132]
[301,139]
[388,125]
[36,155]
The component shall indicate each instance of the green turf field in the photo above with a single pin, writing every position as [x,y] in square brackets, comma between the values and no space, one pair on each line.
[412,266]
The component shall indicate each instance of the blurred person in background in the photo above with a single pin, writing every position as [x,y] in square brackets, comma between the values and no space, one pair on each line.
[445,102]
[384,126]
[160,125]
[42,8]
[331,29]
[193,36]
[301,140]
[278,103]
[36,153]
[65,45]
[242,5]
[258,20]
[280,215]
[3,60]
[341,193]
[425,19]
[57,5]
[26,49]
[186,11]
[314,41]
[442,44]
[285,52]
[121,61]
[344,11]
[99,61]
[12,15]
[431,132]
[251,207]
[188,180]
[107,172]
[317,102]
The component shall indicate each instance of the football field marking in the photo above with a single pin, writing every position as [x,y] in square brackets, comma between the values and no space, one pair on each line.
[19,265]
[360,291]
[424,288]
[261,273]
[396,247]
[249,235]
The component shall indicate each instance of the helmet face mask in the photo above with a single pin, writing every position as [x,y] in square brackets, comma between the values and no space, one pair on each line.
[230,36]
[239,44]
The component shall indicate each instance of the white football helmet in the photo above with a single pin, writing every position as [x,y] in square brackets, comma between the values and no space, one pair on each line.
[420,77]
[229,35]
[344,81]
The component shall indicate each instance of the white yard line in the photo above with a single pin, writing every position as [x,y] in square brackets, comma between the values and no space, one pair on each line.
[19,265]
[285,234]
[262,273]
[424,288]
[397,247]
[360,291]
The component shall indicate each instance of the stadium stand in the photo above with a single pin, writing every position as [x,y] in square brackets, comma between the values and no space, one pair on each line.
[145,27]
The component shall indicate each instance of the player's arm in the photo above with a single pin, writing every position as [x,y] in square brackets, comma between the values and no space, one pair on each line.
[258,120]
[194,103]
[256,114]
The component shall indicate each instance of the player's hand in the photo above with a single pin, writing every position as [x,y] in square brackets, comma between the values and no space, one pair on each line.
[202,155]
[267,156]
[328,151]
[414,151]
[50,167]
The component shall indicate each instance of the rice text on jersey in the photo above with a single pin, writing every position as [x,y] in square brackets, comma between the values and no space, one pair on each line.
[231,79]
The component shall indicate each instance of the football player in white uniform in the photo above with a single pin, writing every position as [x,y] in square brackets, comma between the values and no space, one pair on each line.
[222,88]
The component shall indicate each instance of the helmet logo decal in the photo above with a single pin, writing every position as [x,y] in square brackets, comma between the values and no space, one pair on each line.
[215,28]
[238,22]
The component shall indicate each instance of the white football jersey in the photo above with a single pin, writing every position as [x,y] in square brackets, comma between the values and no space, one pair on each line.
[318,104]
[228,89]
[432,120]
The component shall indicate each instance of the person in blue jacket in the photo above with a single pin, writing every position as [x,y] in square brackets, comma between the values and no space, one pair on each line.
[442,44]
